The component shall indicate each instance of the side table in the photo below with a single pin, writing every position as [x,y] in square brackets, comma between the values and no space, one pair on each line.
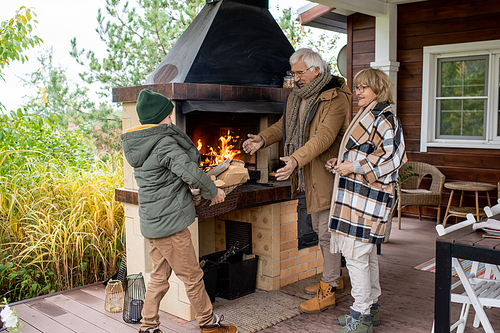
[463,211]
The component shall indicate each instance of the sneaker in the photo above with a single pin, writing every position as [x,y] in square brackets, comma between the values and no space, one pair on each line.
[358,323]
[217,327]
[151,330]
[344,320]
[313,289]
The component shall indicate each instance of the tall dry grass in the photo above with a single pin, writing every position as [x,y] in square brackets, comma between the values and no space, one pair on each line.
[61,221]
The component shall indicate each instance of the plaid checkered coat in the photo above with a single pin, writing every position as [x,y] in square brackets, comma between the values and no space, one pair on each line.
[362,203]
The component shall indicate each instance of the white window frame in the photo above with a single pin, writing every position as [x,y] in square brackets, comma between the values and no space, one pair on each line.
[429,91]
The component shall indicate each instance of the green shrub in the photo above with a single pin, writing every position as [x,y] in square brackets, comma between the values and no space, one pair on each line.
[23,135]
[23,282]
[60,226]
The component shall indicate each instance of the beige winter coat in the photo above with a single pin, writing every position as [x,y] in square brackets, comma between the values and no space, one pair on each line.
[325,127]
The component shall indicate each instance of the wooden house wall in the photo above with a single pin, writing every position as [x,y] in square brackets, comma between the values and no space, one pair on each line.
[360,48]
[435,23]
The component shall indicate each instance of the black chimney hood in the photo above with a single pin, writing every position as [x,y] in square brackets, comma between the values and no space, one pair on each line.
[230,42]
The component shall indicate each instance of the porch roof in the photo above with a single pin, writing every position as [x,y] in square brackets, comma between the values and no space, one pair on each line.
[332,14]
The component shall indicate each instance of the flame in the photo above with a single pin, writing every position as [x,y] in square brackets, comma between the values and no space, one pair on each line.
[225,151]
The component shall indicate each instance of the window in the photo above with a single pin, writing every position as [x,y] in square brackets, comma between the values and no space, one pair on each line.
[460,96]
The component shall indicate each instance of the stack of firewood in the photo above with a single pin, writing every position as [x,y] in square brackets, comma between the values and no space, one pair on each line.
[227,175]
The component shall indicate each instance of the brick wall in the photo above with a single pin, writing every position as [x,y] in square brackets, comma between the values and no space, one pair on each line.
[274,240]
[295,264]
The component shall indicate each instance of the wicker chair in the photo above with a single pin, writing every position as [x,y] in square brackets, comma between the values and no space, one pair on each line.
[409,193]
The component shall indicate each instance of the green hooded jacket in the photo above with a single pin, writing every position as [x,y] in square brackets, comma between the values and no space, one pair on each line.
[166,162]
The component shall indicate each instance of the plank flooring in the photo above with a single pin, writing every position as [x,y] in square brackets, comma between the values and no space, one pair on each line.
[406,304]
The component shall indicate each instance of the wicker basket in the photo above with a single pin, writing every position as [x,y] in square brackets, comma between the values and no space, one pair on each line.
[204,208]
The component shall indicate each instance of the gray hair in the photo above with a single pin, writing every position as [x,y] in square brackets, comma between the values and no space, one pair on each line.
[310,58]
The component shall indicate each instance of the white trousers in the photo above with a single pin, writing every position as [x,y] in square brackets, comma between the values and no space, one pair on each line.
[364,275]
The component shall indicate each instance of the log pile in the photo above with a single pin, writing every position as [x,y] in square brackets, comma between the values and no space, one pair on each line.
[227,175]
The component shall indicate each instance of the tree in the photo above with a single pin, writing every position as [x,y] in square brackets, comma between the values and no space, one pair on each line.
[71,104]
[15,38]
[137,40]
[300,36]
[292,29]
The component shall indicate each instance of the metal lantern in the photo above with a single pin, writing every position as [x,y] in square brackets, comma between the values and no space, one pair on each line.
[114,296]
[134,299]
[122,272]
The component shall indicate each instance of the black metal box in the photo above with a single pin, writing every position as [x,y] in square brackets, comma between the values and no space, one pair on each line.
[210,279]
[235,277]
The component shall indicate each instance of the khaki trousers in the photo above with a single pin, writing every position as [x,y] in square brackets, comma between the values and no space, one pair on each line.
[331,261]
[175,253]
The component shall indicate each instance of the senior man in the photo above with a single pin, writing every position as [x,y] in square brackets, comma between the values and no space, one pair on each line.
[311,128]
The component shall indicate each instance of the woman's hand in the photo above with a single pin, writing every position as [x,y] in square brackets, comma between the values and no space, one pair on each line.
[330,164]
[344,168]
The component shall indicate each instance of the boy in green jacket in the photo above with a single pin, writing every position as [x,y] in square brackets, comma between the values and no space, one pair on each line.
[166,163]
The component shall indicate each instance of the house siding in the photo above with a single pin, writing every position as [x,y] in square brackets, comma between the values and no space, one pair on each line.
[361,34]
[436,23]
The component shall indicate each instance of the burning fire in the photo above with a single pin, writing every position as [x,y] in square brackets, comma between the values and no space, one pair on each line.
[224,152]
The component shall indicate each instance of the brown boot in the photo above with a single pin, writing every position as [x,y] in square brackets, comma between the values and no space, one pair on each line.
[313,289]
[150,330]
[217,327]
[324,299]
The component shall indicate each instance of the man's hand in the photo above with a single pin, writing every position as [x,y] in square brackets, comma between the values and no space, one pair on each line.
[253,143]
[285,172]
[220,197]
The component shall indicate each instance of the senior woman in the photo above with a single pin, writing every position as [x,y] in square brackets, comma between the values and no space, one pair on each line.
[371,152]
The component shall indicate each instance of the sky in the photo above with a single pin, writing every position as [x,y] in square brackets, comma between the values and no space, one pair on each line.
[58,22]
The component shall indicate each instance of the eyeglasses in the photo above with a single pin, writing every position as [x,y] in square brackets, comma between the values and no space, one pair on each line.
[361,89]
[299,73]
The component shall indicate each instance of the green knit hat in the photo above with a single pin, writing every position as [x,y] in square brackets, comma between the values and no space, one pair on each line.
[152,107]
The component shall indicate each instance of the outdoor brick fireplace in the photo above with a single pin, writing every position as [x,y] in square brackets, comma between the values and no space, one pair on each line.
[267,205]
[225,76]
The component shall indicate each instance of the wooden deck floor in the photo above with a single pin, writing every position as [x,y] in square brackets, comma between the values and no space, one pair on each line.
[406,304]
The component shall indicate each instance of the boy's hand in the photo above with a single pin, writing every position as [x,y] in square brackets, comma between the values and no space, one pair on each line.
[221,195]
